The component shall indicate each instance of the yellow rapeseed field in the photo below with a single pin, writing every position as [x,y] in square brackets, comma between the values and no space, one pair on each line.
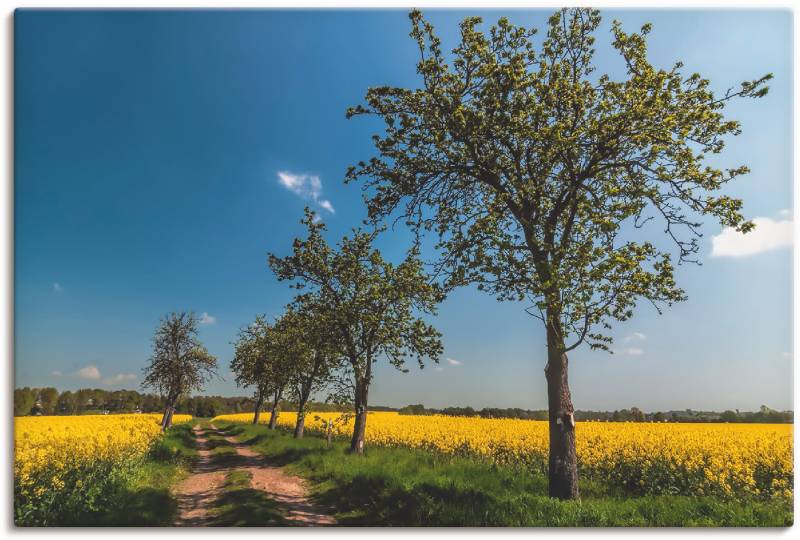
[696,459]
[53,451]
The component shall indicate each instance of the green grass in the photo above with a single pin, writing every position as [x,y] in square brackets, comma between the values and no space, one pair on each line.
[403,487]
[242,506]
[223,454]
[146,500]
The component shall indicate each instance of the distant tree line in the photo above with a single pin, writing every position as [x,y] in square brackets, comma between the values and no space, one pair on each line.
[49,401]
[764,415]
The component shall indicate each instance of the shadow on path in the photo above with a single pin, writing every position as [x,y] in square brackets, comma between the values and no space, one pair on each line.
[255,493]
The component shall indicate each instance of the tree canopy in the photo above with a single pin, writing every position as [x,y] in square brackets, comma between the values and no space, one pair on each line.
[251,360]
[180,363]
[528,165]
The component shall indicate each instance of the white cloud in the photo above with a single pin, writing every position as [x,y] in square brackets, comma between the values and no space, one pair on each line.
[58,288]
[787,355]
[785,213]
[636,336]
[55,373]
[205,318]
[768,235]
[307,186]
[454,362]
[633,351]
[89,372]
[121,378]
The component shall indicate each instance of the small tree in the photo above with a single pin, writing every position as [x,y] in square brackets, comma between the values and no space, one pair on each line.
[314,365]
[290,354]
[66,402]
[179,364]
[49,399]
[24,399]
[250,364]
[528,166]
[371,303]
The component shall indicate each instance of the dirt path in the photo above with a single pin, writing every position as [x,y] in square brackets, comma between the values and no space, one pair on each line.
[289,491]
[197,494]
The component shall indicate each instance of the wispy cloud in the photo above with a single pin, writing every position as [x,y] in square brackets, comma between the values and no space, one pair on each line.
[768,235]
[55,373]
[120,378]
[89,372]
[58,288]
[633,351]
[205,318]
[787,355]
[307,186]
[454,362]
[636,336]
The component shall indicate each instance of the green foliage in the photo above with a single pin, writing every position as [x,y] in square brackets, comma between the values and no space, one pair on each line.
[418,409]
[370,305]
[402,487]
[371,302]
[316,333]
[82,493]
[24,398]
[528,166]
[256,359]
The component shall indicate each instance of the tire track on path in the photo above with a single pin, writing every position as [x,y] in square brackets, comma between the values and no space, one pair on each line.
[198,494]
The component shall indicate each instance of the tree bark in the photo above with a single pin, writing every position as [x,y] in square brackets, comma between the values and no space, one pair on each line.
[360,426]
[300,426]
[259,404]
[166,421]
[164,418]
[563,460]
[273,418]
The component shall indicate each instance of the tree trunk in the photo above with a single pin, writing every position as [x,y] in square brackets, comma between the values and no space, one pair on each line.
[164,418]
[257,412]
[360,426]
[304,393]
[563,461]
[166,421]
[300,426]
[273,418]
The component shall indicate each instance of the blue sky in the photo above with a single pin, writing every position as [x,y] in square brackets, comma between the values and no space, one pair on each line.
[160,155]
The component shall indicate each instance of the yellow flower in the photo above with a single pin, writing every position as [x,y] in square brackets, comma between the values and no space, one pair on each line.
[694,459]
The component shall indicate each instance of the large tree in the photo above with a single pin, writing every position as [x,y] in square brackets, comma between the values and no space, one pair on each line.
[372,305]
[532,170]
[179,364]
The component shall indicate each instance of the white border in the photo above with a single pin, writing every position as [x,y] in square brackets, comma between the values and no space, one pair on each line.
[6,247]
